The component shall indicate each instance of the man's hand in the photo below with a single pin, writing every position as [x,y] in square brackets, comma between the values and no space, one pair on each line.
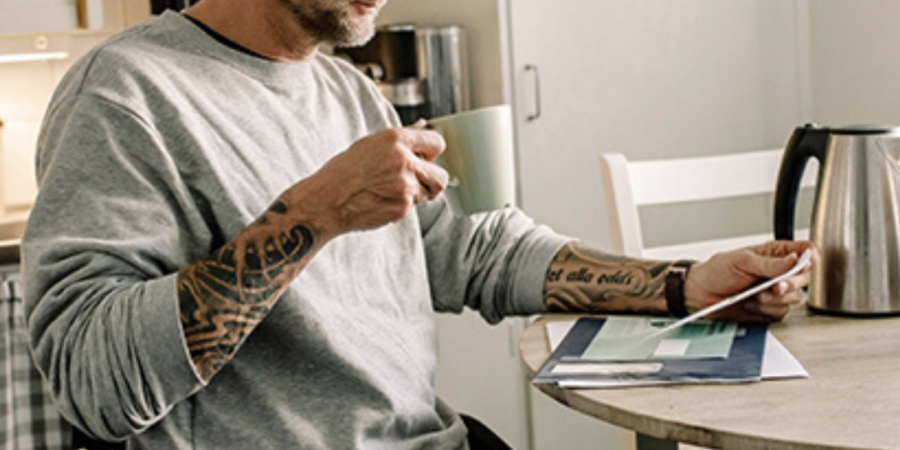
[728,273]
[378,180]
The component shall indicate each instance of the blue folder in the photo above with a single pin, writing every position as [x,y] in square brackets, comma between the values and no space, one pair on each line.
[567,367]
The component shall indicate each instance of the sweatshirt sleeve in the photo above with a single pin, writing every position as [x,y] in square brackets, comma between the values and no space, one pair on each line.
[492,262]
[111,226]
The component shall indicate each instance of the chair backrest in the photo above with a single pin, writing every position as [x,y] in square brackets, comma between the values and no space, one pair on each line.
[630,185]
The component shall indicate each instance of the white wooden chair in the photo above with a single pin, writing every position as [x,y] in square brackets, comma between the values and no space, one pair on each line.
[630,185]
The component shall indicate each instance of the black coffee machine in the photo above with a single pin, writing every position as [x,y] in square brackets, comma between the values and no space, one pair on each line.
[158,6]
[422,71]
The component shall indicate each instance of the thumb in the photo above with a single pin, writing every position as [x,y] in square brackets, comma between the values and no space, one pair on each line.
[771,267]
[420,124]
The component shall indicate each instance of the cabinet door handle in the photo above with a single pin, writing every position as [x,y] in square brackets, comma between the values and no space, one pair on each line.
[537,92]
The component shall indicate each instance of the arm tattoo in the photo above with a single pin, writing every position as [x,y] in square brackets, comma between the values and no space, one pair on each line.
[223,297]
[582,279]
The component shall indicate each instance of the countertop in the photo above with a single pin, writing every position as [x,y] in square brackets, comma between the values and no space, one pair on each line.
[9,252]
[11,228]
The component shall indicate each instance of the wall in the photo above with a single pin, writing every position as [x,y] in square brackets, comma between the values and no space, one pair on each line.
[854,58]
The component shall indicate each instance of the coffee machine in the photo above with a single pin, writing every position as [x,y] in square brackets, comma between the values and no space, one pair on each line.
[159,6]
[422,71]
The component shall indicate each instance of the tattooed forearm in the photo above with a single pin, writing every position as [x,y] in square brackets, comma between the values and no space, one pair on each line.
[581,279]
[223,297]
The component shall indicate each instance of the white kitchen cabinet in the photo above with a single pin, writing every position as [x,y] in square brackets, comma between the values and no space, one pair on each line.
[643,77]
[47,16]
[480,373]
[647,78]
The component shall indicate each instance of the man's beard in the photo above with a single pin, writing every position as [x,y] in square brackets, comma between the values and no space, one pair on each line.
[327,21]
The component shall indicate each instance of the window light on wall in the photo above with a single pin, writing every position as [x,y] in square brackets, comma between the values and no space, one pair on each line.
[33,48]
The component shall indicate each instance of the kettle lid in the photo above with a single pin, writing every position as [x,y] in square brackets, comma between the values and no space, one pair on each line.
[864,129]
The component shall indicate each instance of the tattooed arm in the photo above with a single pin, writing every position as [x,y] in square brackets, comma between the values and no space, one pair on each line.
[378,180]
[225,296]
[583,279]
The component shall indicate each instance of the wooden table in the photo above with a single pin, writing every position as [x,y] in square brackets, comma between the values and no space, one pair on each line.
[850,401]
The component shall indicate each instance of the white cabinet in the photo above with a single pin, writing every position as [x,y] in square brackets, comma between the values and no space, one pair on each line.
[47,16]
[647,78]
[480,373]
[642,77]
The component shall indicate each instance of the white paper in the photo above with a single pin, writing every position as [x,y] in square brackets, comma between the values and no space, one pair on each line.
[607,369]
[672,348]
[557,330]
[778,362]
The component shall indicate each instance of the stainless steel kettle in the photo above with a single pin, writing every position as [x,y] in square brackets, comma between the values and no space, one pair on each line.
[856,215]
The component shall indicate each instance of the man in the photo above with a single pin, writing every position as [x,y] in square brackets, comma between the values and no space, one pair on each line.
[256,249]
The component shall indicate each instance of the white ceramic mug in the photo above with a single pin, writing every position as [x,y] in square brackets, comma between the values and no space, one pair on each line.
[479,159]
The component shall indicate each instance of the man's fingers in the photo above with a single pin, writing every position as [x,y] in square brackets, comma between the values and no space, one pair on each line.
[424,143]
[761,312]
[432,178]
[777,249]
[764,267]
[789,291]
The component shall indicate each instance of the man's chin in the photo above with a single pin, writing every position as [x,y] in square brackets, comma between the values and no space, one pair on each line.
[356,38]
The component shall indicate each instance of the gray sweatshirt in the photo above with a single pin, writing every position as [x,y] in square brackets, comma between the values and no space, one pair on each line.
[160,146]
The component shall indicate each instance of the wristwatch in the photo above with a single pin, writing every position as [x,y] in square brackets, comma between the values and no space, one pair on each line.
[676,275]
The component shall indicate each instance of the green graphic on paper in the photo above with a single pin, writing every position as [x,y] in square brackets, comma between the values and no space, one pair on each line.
[624,338]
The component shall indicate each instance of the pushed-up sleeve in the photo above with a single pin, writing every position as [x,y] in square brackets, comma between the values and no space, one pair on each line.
[112,224]
[493,262]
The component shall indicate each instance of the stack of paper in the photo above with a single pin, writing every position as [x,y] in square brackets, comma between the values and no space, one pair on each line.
[624,351]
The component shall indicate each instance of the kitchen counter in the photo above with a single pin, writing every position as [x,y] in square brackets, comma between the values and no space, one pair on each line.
[11,229]
[9,252]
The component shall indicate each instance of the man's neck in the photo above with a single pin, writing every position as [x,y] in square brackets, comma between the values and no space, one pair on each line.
[224,40]
[263,27]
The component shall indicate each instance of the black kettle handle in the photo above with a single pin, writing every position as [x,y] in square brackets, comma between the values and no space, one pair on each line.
[808,141]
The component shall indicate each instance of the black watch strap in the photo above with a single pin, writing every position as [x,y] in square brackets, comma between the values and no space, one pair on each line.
[676,275]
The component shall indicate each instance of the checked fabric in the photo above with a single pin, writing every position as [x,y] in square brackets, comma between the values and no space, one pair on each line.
[28,417]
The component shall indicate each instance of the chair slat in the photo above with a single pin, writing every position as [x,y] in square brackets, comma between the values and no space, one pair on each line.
[632,184]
